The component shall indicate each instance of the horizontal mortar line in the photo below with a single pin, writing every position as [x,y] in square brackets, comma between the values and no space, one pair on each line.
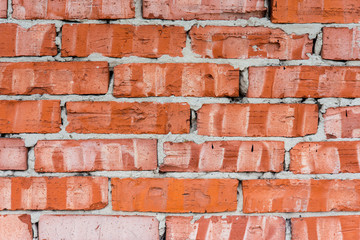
[189,175]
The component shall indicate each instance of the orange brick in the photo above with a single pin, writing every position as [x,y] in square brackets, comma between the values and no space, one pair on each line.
[230,227]
[223,156]
[16,227]
[117,40]
[248,42]
[69,9]
[203,10]
[258,120]
[304,82]
[56,78]
[341,43]
[319,11]
[49,193]
[292,195]
[342,122]
[30,116]
[128,118]
[325,157]
[3,8]
[13,154]
[178,79]
[334,227]
[95,155]
[174,195]
[38,40]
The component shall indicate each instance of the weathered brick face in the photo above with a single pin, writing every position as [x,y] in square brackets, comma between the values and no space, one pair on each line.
[179,119]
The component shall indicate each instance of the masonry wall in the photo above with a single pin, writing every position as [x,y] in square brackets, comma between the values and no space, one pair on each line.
[162,119]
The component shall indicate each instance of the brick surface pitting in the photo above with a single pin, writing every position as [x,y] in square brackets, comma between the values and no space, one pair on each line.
[179,119]
[93,227]
[69,9]
[54,78]
[231,227]
[174,195]
[203,10]
[38,40]
[95,155]
[256,120]
[115,40]
[16,227]
[187,80]
[229,156]
[248,42]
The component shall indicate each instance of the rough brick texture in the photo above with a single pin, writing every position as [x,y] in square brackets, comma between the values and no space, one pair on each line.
[325,157]
[231,228]
[342,122]
[256,120]
[135,118]
[336,227]
[293,195]
[204,10]
[30,116]
[95,155]
[341,43]
[54,78]
[3,8]
[174,195]
[16,227]
[69,9]
[39,40]
[13,154]
[248,42]
[164,80]
[304,82]
[116,40]
[46,193]
[229,156]
[98,227]
[319,11]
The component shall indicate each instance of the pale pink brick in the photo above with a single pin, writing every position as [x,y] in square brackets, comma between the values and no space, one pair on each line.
[15,227]
[3,8]
[94,227]
[13,154]
[95,155]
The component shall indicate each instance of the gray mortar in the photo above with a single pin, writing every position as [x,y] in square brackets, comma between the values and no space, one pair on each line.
[314,31]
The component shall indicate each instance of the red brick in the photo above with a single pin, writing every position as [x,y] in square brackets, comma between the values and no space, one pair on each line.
[334,227]
[325,157]
[94,227]
[203,10]
[69,9]
[15,227]
[174,195]
[117,40]
[49,193]
[304,82]
[341,43]
[56,78]
[319,11]
[128,118]
[231,228]
[342,122]
[258,120]
[13,154]
[41,116]
[248,42]
[3,8]
[39,40]
[293,195]
[223,156]
[95,155]
[178,79]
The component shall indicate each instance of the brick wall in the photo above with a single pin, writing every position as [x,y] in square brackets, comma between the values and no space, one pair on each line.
[176,119]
